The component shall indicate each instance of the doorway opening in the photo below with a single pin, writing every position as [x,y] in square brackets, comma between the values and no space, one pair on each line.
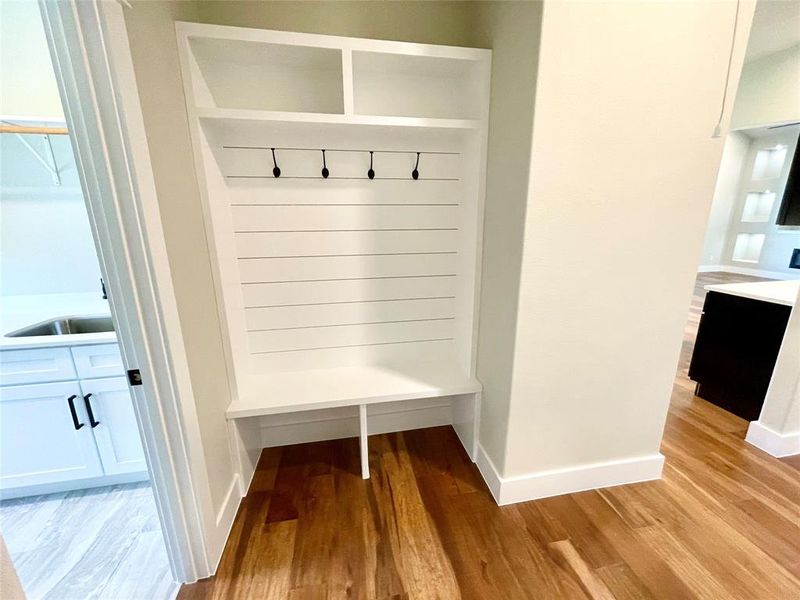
[747,280]
[77,511]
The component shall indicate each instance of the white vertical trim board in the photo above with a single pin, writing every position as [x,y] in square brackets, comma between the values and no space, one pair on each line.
[773,443]
[555,482]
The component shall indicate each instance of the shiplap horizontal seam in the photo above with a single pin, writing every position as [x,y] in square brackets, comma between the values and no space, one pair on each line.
[350,324]
[343,255]
[353,301]
[351,279]
[347,230]
[294,149]
[354,346]
[343,178]
[343,204]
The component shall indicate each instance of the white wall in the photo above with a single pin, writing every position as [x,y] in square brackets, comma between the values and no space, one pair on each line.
[27,85]
[151,32]
[726,193]
[511,29]
[769,90]
[46,244]
[622,173]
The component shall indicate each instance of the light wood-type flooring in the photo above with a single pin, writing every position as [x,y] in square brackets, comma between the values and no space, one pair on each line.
[88,544]
[724,522]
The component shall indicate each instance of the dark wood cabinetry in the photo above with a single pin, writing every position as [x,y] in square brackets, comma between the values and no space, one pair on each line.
[734,355]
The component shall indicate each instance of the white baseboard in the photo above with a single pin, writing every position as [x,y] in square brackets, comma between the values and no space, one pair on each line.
[337,423]
[509,490]
[747,271]
[224,522]
[772,442]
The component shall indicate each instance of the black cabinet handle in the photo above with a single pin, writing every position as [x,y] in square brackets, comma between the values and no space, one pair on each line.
[75,422]
[88,404]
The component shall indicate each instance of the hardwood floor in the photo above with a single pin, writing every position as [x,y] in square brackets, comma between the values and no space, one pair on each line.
[724,522]
[96,543]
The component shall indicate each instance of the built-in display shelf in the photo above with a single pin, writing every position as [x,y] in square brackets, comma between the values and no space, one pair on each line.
[342,183]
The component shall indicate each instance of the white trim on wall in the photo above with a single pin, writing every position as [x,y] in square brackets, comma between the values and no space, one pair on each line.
[555,482]
[773,443]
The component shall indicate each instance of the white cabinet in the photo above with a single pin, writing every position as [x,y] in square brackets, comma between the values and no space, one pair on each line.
[102,360]
[115,429]
[45,436]
[77,430]
[35,365]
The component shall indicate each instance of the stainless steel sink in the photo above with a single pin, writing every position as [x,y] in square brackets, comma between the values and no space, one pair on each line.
[65,326]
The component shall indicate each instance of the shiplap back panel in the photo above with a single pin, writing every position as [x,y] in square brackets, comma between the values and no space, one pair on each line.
[346,270]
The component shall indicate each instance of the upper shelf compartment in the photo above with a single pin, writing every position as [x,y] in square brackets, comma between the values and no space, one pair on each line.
[403,85]
[240,74]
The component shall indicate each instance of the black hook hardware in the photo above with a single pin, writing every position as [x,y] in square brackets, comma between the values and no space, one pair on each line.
[325,171]
[276,170]
[75,423]
[415,172]
[88,404]
[371,172]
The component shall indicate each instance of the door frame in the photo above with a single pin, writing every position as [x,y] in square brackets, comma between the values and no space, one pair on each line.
[91,57]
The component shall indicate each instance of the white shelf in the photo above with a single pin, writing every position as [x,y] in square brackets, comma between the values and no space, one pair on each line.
[270,76]
[235,114]
[348,386]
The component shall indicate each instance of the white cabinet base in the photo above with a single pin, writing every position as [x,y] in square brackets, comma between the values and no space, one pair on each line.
[67,435]
[76,484]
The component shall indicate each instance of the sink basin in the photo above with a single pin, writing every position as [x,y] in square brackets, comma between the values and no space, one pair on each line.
[66,326]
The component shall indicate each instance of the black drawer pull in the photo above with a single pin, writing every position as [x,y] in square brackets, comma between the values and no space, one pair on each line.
[75,422]
[88,404]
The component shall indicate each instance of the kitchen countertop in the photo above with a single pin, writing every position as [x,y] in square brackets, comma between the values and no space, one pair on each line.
[20,311]
[778,292]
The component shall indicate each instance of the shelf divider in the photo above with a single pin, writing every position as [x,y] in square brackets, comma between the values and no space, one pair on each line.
[362,439]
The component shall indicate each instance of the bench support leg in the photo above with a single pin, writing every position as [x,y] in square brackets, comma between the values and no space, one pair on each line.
[362,438]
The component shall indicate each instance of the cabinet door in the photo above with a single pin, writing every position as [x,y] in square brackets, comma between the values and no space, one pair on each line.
[115,428]
[40,439]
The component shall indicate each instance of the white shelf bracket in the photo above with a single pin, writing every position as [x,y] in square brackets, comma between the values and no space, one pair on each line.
[362,438]
[51,165]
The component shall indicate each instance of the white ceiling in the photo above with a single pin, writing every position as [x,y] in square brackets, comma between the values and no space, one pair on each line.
[776,26]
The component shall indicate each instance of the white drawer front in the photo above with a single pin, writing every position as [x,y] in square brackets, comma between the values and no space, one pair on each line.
[104,360]
[35,366]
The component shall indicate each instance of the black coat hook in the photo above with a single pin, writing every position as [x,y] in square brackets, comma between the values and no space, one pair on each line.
[415,172]
[325,171]
[275,170]
[371,172]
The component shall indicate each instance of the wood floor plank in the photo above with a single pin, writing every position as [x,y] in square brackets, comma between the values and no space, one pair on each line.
[723,522]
